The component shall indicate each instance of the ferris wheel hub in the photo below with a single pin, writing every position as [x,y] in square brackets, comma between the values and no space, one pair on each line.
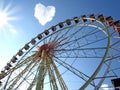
[49,47]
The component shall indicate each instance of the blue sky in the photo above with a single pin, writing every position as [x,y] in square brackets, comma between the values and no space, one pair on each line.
[23,25]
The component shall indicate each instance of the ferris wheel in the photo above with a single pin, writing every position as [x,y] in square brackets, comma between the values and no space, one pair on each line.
[81,53]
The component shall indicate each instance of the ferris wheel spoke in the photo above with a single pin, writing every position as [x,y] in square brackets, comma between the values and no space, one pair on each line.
[68,43]
[32,84]
[77,31]
[113,58]
[18,65]
[78,48]
[79,57]
[77,52]
[111,70]
[63,37]
[117,68]
[115,49]
[74,71]
[117,42]
[35,80]
[114,69]
[57,36]
[65,32]
[90,43]
[19,76]
[52,79]
[59,77]
[53,74]
[26,76]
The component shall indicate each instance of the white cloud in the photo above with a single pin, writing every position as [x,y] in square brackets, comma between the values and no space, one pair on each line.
[105,87]
[44,14]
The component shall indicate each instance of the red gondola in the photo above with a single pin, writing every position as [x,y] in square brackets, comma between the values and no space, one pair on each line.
[101,18]
[7,67]
[68,22]
[33,41]
[26,47]
[117,26]
[20,53]
[76,20]
[53,28]
[39,36]
[46,32]
[92,16]
[61,25]
[8,64]
[84,18]
[109,21]
[13,59]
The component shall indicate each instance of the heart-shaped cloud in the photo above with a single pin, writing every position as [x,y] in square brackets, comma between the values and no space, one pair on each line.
[44,14]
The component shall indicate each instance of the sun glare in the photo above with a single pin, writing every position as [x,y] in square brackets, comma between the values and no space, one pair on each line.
[3,19]
[7,16]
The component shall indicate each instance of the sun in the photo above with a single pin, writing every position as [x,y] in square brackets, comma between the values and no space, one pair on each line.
[3,19]
[7,16]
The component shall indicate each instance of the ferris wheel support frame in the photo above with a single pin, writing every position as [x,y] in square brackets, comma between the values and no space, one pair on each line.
[106,22]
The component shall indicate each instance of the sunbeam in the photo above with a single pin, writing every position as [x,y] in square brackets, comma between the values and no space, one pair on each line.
[6,18]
